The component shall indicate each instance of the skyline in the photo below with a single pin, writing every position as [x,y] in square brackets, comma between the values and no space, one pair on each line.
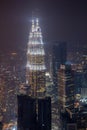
[30,66]
[59,20]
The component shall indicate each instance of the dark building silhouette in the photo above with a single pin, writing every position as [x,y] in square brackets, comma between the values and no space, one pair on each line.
[34,113]
[59,50]
[44,113]
[26,113]
[1,126]
[75,120]
[78,81]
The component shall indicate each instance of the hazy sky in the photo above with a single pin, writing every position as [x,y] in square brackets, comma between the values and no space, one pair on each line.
[64,20]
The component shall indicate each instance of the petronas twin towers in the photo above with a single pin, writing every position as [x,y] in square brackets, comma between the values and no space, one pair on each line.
[35,68]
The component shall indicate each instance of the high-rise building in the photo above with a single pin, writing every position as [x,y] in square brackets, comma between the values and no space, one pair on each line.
[34,113]
[59,55]
[76,120]
[84,64]
[59,50]
[78,79]
[1,126]
[66,87]
[26,113]
[44,113]
[35,71]
[2,96]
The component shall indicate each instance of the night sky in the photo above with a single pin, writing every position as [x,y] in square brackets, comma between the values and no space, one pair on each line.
[62,20]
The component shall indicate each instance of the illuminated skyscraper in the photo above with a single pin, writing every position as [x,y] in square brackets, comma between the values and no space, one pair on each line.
[35,71]
[66,87]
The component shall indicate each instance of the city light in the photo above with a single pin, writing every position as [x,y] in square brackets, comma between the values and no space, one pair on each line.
[43,65]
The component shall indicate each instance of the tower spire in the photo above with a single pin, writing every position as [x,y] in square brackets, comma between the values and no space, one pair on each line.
[33,25]
[37,21]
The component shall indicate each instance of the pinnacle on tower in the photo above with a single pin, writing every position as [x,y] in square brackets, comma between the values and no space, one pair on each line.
[32,25]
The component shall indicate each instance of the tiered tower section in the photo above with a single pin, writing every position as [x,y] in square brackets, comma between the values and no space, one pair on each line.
[35,76]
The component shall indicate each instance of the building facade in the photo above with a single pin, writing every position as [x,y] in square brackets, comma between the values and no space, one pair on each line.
[59,56]
[66,87]
[33,113]
[44,113]
[26,113]
[35,71]
[78,79]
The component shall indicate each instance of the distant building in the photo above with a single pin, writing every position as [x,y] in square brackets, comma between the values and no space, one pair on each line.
[84,64]
[2,96]
[71,126]
[59,51]
[1,126]
[35,69]
[78,79]
[84,93]
[24,89]
[78,120]
[66,87]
